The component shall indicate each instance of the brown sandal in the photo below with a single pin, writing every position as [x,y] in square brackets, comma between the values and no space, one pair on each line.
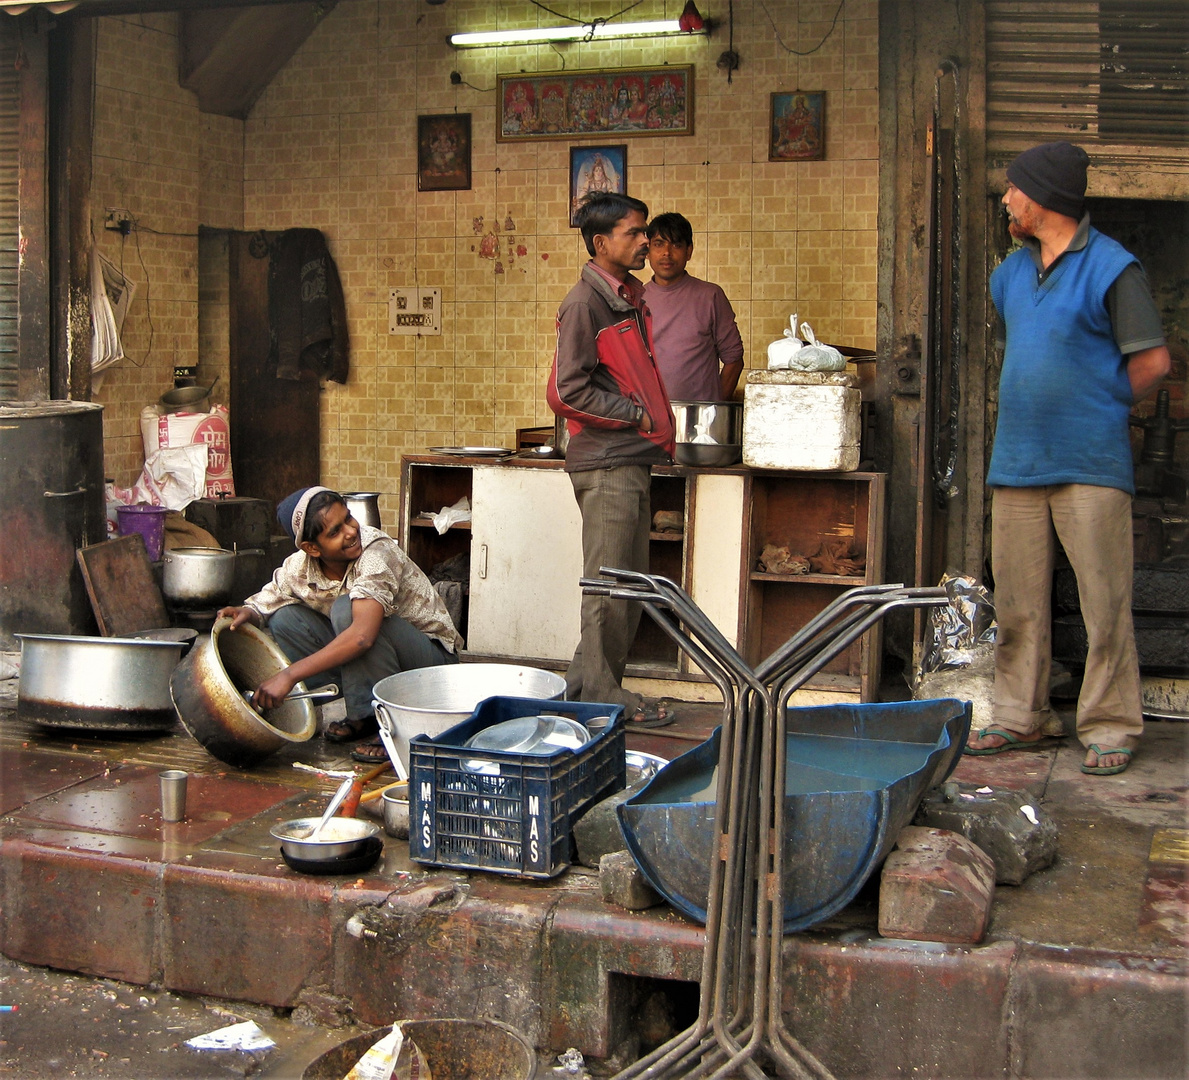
[370,752]
[339,731]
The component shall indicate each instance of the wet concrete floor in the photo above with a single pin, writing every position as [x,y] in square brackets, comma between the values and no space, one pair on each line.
[1116,900]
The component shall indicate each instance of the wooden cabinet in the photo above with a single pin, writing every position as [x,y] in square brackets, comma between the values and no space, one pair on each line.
[800,511]
[525,548]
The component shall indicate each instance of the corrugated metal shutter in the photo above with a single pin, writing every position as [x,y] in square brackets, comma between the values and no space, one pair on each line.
[1112,76]
[9,98]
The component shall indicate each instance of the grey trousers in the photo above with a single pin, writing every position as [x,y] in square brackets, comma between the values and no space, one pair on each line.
[616,508]
[1094,527]
[301,631]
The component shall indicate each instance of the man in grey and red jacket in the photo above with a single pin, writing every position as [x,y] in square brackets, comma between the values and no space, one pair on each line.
[605,383]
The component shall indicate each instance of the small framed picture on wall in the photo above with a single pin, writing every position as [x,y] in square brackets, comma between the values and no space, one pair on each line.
[444,152]
[797,126]
[595,169]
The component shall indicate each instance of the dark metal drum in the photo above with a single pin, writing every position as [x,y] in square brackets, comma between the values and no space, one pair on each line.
[51,491]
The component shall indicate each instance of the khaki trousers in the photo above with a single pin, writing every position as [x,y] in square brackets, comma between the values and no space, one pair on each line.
[1094,527]
[616,518]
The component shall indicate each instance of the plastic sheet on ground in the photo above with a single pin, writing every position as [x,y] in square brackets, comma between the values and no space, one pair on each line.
[245,1036]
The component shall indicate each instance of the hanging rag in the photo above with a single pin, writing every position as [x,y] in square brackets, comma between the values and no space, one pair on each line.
[111,293]
[307,317]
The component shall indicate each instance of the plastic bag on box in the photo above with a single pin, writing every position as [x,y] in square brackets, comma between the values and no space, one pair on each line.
[790,353]
[957,630]
[783,351]
[814,356]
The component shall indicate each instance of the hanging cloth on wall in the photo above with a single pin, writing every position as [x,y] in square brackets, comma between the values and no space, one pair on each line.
[307,317]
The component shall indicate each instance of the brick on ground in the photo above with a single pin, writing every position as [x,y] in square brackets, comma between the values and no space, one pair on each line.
[936,886]
[622,883]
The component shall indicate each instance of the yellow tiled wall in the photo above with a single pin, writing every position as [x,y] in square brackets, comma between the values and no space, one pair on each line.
[331,144]
[173,169]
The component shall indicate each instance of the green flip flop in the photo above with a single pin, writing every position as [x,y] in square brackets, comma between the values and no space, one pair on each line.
[1106,770]
[1014,742]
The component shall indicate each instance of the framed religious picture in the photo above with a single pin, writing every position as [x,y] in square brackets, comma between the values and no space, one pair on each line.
[444,152]
[594,169]
[606,102]
[797,127]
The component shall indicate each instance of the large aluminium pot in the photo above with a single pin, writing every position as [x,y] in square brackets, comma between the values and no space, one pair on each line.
[709,433]
[95,683]
[198,578]
[427,701]
[207,689]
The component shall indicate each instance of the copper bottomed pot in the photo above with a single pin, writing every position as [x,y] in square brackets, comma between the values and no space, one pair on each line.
[207,690]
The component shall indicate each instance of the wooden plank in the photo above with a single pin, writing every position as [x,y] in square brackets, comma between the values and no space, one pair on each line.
[119,580]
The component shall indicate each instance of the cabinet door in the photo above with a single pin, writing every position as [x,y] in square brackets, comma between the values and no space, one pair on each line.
[526,559]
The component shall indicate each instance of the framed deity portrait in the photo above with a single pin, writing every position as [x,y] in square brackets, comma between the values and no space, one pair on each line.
[797,126]
[607,103]
[444,152]
[595,169]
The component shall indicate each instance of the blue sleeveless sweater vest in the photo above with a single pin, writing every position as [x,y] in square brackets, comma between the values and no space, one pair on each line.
[1064,396]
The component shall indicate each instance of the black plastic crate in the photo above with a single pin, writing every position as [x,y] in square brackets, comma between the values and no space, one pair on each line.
[519,821]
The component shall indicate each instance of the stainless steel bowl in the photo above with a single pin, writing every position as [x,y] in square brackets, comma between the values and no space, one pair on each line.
[709,433]
[340,838]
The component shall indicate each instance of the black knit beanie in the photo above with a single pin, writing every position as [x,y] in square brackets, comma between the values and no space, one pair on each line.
[1052,175]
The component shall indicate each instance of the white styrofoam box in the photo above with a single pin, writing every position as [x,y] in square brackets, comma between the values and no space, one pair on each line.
[801,420]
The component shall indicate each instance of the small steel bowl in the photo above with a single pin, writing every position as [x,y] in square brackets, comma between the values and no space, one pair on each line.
[396,811]
[340,838]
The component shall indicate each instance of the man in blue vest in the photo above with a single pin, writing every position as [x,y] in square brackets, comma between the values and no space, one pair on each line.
[1083,343]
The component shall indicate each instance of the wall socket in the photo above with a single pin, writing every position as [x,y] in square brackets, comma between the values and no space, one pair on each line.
[415,311]
[118,220]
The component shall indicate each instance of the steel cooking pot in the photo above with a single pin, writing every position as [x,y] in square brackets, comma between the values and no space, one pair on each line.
[102,684]
[364,507]
[198,578]
[709,433]
[207,689]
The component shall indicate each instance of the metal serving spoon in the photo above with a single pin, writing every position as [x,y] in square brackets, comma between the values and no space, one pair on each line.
[336,800]
[328,691]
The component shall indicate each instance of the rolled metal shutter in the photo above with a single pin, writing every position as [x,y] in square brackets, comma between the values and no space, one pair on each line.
[9,203]
[1112,76]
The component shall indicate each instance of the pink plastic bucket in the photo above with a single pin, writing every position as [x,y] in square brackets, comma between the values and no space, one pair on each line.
[147,520]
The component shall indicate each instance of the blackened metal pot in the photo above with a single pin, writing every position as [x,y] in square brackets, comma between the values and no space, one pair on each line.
[207,689]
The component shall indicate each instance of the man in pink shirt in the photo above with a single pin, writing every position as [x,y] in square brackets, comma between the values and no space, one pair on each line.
[693,325]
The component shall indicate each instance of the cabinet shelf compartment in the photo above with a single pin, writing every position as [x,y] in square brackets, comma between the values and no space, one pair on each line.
[428,487]
[800,511]
[652,650]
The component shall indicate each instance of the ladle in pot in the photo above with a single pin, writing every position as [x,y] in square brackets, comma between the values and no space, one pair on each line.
[330,690]
[336,800]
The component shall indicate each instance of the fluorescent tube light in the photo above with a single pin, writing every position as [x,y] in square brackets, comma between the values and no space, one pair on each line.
[602,31]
